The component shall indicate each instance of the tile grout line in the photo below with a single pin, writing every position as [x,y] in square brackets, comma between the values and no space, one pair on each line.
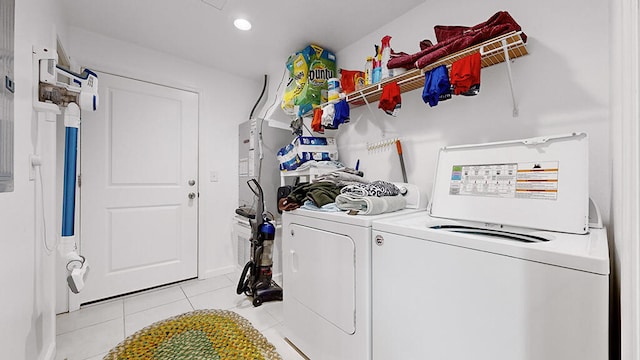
[189,300]
[124,322]
[83,327]
[155,307]
[163,304]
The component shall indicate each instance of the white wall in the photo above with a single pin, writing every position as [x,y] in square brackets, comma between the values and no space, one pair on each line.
[224,101]
[625,143]
[27,312]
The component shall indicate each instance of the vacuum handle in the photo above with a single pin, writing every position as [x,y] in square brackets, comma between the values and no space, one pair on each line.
[254,185]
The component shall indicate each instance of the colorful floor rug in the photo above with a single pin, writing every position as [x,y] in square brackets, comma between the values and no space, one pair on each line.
[197,335]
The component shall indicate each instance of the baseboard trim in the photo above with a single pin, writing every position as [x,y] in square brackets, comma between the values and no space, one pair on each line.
[217,272]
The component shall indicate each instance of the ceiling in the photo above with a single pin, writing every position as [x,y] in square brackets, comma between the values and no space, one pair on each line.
[202,30]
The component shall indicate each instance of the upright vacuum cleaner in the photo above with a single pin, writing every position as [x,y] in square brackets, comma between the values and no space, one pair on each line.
[255,280]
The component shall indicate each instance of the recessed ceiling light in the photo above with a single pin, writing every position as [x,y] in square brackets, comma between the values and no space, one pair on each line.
[242,24]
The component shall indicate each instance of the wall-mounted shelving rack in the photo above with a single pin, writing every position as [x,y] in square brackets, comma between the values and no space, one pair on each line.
[497,50]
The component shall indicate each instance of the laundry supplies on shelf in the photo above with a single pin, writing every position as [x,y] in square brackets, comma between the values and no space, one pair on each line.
[377,70]
[352,80]
[333,86]
[450,67]
[307,148]
[386,54]
[309,72]
[316,148]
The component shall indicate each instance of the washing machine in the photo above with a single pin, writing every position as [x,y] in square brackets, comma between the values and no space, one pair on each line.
[327,279]
[518,270]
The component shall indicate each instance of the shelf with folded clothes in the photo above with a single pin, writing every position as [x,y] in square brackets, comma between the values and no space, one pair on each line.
[493,51]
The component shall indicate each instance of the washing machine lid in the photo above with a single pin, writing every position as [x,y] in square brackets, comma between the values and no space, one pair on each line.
[587,252]
[539,183]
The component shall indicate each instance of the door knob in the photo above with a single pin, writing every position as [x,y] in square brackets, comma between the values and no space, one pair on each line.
[192,195]
[192,182]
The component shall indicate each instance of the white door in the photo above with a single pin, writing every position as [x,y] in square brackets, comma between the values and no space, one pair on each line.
[139,204]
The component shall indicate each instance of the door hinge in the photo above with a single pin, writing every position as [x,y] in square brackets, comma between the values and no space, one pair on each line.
[79,180]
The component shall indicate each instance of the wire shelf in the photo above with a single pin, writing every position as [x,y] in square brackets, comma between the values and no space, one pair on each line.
[492,52]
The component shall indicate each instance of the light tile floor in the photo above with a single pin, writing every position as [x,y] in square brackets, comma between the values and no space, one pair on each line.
[89,333]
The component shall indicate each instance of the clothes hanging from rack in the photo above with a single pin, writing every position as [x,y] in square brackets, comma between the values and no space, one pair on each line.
[465,75]
[436,85]
[390,100]
[342,113]
[316,123]
[328,113]
[334,115]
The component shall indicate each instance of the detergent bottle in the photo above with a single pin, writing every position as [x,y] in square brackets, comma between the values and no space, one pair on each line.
[368,71]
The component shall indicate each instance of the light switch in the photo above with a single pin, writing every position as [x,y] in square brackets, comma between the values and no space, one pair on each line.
[213,176]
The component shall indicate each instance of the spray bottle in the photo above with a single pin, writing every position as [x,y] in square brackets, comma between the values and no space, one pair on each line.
[377,70]
[385,57]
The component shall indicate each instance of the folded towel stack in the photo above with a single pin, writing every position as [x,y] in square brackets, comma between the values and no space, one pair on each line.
[370,205]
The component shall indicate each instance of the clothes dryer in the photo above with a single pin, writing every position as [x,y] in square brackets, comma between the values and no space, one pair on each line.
[327,279]
[507,263]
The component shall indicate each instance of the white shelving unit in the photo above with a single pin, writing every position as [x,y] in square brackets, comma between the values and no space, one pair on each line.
[306,175]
